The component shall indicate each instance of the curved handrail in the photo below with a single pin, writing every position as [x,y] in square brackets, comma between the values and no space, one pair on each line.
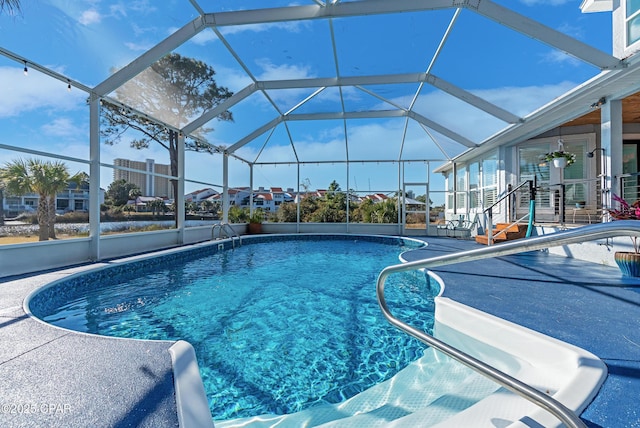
[224,227]
[488,212]
[506,195]
[585,233]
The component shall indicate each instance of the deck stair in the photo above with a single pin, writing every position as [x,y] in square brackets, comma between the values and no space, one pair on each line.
[503,232]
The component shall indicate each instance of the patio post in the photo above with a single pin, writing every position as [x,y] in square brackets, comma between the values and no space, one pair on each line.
[94,177]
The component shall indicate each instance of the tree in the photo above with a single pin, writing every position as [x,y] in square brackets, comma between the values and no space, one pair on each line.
[120,191]
[157,206]
[237,214]
[134,193]
[12,7]
[364,210]
[207,205]
[190,207]
[175,89]
[385,211]
[2,186]
[287,212]
[44,178]
[308,206]
[333,207]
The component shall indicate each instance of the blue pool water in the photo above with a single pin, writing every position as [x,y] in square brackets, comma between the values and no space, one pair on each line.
[277,326]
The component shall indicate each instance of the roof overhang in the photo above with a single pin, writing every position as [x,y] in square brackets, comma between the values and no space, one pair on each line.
[589,6]
[610,85]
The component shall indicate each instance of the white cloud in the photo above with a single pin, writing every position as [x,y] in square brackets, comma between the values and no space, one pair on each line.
[290,26]
[573,31]
[545,2]
[21,94]
[60,127]
[141,6]
[204,37]
[271,71]
[526,99]
[138,47]
[118,10]
[90,16]
[207,36]
[558,57]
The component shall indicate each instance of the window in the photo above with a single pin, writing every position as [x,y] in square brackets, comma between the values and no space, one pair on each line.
[632,21]
[474,185]
[550,178]
[629,183]
[449,191]
[461,188]
[490,180]
[533,168]
[576,186]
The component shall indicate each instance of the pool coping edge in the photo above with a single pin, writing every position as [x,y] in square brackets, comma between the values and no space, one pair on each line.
[191,399]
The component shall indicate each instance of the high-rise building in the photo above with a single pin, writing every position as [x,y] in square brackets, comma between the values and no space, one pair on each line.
[149,184]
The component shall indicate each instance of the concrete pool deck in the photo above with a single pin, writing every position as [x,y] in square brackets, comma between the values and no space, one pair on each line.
[68,379]
[50,377]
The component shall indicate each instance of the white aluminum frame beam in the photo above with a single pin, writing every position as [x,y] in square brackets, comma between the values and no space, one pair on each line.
[220,108]
[141,63]
[493,11]
[487,8]
[255,134]
[433,80]
[379,114]
[544,34]
[442,130]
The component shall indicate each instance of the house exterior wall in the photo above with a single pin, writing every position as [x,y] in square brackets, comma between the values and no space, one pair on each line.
[70,199]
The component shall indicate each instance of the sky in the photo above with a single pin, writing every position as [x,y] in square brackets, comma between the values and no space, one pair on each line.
[87,40]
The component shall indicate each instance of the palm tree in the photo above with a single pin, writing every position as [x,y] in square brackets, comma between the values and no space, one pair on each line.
[44,178]
[207,205]
[57,177]
[157,206]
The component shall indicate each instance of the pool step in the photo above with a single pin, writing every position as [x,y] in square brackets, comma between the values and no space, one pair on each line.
[449,395]
[434,388]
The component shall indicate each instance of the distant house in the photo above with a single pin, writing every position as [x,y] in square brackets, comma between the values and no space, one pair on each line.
[143,203]
[73,198]
[377,197]
[200,195]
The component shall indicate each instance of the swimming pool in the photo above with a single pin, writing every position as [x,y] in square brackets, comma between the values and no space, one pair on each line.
[277,326]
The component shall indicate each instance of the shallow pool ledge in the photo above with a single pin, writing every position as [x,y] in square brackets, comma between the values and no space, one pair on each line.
[569,374]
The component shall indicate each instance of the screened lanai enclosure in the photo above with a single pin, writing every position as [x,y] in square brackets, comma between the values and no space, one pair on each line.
[250,104]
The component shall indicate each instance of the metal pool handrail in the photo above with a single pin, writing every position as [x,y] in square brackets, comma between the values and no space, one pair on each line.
[225,227]
[581,234]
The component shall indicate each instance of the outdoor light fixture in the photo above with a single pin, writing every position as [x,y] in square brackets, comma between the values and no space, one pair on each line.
[592,152]
[603,175]
[599,103]
[26,70]
[68,85]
